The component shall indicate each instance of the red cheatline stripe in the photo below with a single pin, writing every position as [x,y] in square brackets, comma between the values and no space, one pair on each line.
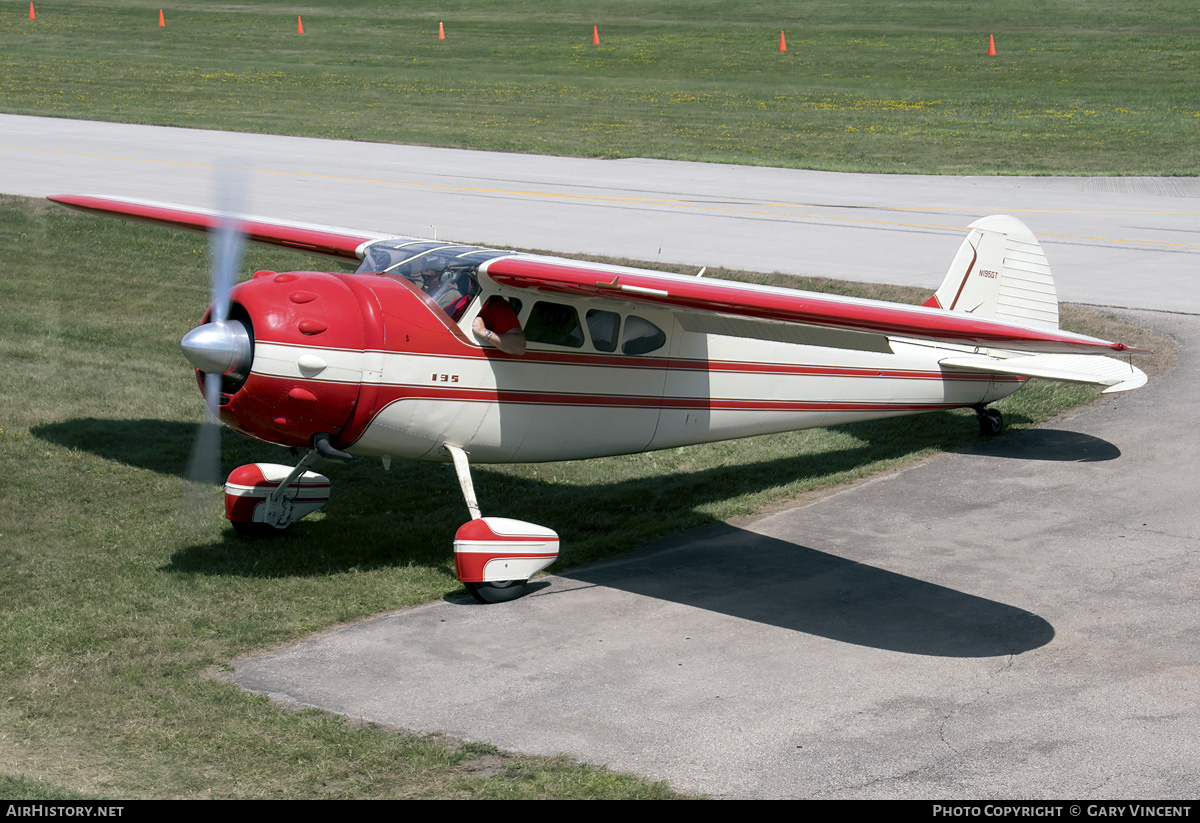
[649,402]
[588,360]
[966,274]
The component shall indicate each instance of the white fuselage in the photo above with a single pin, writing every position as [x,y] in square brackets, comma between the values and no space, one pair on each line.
[565,403]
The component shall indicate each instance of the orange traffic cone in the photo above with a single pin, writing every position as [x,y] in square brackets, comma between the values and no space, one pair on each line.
[162,24]
[991,45]
[441,32]
[32,13]
[782,42]
[299,24]
[595,36]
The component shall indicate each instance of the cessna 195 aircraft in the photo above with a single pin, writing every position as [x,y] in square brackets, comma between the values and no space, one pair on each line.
[599,360]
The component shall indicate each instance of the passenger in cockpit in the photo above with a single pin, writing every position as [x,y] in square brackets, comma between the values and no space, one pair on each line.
[497,325]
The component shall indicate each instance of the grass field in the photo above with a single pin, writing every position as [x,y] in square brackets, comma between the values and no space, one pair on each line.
[1097,88]
[114,610]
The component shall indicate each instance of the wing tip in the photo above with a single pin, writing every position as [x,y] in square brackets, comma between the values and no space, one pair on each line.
[1125,349]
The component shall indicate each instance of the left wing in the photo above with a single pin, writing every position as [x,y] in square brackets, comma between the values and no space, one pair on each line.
[327,240]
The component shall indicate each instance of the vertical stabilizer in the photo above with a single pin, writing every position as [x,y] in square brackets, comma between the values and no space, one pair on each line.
[1000,271]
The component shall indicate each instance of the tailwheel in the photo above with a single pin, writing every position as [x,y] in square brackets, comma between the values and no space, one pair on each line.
[991,421]
[501,591]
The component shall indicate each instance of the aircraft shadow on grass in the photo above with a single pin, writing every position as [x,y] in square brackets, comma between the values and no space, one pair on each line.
[407,517]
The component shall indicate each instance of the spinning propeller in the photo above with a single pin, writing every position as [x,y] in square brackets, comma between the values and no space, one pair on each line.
[221,348]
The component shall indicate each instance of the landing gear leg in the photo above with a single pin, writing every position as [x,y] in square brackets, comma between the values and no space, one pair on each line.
[991,421]
[463,469]
[279,506]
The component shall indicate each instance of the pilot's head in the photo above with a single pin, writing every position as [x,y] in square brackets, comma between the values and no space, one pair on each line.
[430,270]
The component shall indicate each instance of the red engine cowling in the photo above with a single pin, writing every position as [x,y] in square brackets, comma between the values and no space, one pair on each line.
[313,335]
[299,310]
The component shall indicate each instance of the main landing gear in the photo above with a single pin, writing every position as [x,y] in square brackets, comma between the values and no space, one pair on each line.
[991,421]
[495,556]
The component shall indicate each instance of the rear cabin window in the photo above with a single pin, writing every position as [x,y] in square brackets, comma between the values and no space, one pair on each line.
[554,324]
[641,336]
[603,327]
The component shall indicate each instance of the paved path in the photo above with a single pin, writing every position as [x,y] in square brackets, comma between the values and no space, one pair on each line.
[1017,621]
[1111,241]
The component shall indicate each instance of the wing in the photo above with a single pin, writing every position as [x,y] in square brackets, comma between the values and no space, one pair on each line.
[325,240]
[817,315]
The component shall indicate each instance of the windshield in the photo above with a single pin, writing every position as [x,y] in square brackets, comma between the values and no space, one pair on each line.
[445,272]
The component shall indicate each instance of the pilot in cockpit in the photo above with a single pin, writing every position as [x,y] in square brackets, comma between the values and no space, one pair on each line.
[442,290]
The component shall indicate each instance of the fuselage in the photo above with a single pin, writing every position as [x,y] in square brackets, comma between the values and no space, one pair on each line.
[379,366]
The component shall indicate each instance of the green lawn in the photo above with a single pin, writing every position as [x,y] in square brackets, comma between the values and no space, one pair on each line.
[113,610]
[1102,87]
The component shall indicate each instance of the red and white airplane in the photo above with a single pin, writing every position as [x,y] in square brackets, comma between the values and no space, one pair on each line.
[616,360]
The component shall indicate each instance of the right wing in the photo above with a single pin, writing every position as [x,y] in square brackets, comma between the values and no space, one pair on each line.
[845,316]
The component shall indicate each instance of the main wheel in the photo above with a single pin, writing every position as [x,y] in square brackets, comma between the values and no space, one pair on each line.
[254,531]
[500,591]
[991,422]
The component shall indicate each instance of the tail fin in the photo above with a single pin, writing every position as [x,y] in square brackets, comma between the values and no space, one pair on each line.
[1000,271]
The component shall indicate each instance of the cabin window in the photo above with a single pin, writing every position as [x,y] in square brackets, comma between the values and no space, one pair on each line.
[641,336]
[603,327]
[555,324]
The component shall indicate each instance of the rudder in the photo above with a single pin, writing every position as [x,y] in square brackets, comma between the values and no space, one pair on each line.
[1000,271]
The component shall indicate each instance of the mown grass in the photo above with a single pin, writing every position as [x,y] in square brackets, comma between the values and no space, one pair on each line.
[1104,87]
[113,610]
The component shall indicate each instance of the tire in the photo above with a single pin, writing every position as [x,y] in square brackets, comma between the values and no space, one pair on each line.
[498,592]
[254,531]
[991,422]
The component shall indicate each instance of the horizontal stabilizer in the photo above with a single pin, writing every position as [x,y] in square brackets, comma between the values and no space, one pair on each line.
[1117,375]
